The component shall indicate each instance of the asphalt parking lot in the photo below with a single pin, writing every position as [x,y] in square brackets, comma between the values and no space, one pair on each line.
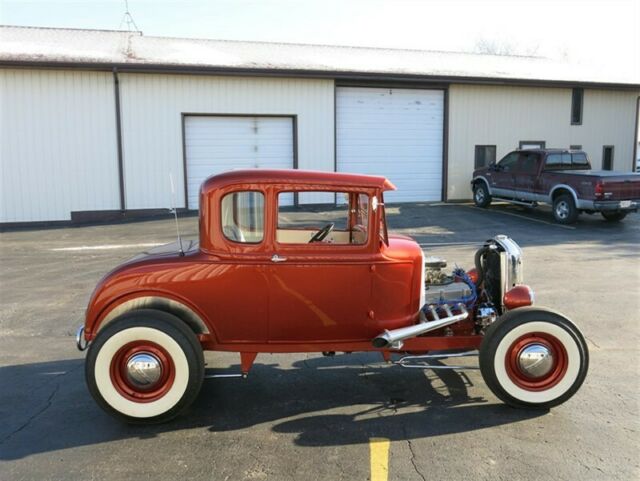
[308,417]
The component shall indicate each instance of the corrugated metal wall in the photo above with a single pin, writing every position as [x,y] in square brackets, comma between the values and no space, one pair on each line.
[57,144]
[503,116]
[152,133]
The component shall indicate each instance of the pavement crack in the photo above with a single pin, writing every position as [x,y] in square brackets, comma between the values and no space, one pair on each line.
[413,455]
[33,417]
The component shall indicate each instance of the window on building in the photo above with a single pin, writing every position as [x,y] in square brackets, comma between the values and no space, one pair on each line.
[607,157]
[343,223]
[485,155]
[576,106]
[242,216]
[575,147]
[532,144]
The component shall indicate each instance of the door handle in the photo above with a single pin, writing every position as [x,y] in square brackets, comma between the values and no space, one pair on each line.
[277,258]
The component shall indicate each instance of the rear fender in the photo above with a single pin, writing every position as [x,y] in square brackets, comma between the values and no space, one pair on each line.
[196,321]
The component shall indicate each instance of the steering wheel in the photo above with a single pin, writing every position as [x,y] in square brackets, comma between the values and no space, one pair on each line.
[322,233]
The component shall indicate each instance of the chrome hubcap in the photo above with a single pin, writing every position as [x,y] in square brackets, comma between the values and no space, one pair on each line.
[143,369]
[535,360]
[479,195]
[562,209]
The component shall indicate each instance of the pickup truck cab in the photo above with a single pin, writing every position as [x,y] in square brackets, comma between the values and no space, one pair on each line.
[560,178]
[269,274]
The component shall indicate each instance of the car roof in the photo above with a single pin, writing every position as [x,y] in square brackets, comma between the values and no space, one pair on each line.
[295,176]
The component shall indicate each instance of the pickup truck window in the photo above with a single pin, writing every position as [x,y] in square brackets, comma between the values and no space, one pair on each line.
[242,217]
[566,160]
[508,162]
[580,159]
[528,163]
[346,222]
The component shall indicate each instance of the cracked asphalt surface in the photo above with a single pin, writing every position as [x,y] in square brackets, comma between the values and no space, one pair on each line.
[311,417]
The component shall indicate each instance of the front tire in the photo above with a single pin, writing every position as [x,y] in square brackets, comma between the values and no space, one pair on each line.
[145,367]
[565,210]
[481,196]
[533,358]
[613,216]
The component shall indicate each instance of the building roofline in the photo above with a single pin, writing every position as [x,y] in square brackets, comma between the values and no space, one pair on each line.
[127,51]
[303,73]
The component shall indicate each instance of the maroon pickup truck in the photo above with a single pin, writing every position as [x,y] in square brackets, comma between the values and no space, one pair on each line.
[561,178]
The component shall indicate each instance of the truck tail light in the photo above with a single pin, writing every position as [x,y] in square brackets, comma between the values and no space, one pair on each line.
[599,191]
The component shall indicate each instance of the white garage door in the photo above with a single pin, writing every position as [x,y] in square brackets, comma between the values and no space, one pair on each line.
[217,144]
[392,132]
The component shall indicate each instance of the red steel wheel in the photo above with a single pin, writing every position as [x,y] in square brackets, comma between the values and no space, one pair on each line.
[142,371]
[536,361]
[145,366]
[533,357]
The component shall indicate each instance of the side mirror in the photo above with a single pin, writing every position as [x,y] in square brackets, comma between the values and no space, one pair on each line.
[494,167]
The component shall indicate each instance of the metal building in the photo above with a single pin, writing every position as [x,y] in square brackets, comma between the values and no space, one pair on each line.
[94,123]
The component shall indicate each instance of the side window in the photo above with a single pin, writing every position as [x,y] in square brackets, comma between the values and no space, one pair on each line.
[528,163]
[509,161]
[345,222]
[484,155]
[242,216]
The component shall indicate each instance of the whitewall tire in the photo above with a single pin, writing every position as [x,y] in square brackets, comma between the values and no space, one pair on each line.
[533,357]
[145,367]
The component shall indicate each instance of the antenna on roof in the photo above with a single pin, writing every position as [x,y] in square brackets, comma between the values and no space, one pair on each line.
[175,213]
[127,19]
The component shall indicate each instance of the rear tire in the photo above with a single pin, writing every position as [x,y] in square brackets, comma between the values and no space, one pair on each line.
[145,367]
[515,368]
[481,196]
[565,210]
[614,216]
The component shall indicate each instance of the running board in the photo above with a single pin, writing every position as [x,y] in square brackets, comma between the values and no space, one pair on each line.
[518,202]
[212,375]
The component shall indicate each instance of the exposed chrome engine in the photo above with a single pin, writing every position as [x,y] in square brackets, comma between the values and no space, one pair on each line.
[441,288]
[499,266]
[450,297]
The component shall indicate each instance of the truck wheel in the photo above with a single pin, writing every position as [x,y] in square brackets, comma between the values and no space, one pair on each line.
[533,358]
[145,367]
[564,209]
[614,216]
[481,195]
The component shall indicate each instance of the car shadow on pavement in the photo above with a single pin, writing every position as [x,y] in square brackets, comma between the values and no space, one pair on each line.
[341,400]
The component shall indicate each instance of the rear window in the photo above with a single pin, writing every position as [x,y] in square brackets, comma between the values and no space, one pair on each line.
[554,161]
[566,161]
[580,159]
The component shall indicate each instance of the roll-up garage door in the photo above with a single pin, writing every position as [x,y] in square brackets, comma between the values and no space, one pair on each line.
[397,133]
[215,144]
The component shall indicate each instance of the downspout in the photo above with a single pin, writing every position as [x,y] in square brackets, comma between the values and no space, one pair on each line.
[636,137]
[116,91]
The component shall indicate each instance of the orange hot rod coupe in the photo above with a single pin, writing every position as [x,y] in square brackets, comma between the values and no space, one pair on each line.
[259,280]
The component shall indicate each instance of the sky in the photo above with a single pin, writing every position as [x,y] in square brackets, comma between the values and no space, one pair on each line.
[604,34]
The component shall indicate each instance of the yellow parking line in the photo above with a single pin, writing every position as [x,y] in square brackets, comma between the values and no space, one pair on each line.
[379,450]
